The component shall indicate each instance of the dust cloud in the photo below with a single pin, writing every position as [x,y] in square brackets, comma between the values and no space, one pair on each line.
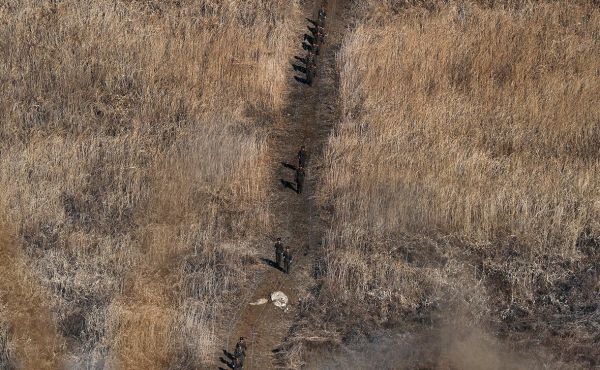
[453,346]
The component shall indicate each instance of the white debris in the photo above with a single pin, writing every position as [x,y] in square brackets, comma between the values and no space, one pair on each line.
[279,299]
[260,301]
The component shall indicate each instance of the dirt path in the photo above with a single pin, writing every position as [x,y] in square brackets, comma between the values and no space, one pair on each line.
[307,120]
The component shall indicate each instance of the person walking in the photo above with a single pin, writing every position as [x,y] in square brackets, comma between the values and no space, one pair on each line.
[238,362]
[311,72]
[299,179]
[278,252]
[310,57]
[239,354]
[322,15]
[302,157]
[315,48]
[320,37]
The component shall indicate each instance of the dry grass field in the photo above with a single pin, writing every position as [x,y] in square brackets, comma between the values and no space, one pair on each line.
[460,189]
[133,166]
[463,182]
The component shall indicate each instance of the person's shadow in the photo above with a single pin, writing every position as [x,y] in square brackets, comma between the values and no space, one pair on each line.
[228,361]
[313,30]
[229,364]
[310,39]
[315,23]
[298,68]
[271,263]
[287,165]
[302,60]
[302,80]
[288,185]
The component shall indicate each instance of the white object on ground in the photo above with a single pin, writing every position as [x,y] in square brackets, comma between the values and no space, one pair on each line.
[260,301]
[279,299]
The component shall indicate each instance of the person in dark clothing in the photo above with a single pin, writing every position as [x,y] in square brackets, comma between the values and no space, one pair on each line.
[310,58]
[238,362]
[316,49]
[300,179]
[302,157]
[278,252]
[311,68]
[310,39]
[316,30]
[310,73]
[320,38]
[322,16]
[287,260]
[240,353]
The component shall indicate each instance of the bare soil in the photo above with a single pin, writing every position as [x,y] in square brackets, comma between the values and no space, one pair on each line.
[307,120]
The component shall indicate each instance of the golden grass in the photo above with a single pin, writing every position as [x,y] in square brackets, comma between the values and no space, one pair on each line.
[134,163]
[489,129]
[35,341]
[468,147]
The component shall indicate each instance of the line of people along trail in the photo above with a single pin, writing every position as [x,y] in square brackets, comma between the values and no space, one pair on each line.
[283,256]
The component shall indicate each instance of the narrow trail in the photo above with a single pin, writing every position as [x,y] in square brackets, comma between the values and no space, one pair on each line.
[307,120]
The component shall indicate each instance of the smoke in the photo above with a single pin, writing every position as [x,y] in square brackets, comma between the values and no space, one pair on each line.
[457,344]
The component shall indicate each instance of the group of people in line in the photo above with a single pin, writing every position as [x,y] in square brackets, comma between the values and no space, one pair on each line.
[283,256]
[314,44]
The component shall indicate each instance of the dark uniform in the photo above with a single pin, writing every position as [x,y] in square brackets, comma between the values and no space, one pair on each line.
[322,16]
[302,157]
[315,49]
[311,72]
[299,179]
[320,37]
[287,260]
[238,361]
[310,57]
[278,252]
[239,354]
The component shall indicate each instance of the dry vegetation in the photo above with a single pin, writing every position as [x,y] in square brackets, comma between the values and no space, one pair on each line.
[463,177]
[133,165]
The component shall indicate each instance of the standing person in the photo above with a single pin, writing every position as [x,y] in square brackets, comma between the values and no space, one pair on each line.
[315,49]
[320,36]
[302,157]
[299,179]
[278,252]
[310,57]
[240,353]
[238,362]
[322,16]
[311,72]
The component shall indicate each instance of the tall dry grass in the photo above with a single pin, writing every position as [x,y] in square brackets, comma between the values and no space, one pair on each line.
[133,164]
[489,129]
[465,167]
[34,340]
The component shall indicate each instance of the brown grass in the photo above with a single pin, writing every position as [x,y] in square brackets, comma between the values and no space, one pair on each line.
[465,168]
[133,162]
[35,341]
